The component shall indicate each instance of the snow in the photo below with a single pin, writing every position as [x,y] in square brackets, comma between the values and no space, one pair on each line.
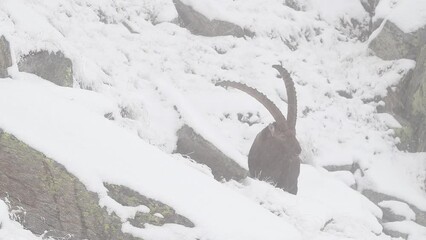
[409,16]
[397,174]
[345,176]
[399,208]
[322,207]
[49,124]
[156,80]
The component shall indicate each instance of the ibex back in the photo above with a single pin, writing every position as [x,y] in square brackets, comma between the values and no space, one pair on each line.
[274,155]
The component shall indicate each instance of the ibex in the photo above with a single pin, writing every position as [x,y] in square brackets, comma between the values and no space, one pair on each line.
[274,155]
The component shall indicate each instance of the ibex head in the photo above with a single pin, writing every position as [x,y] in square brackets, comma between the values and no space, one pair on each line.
[284,130]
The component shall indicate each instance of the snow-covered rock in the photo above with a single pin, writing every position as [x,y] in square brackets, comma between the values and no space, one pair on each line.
[194,146]
[406,230]
[396,211]
[199,24]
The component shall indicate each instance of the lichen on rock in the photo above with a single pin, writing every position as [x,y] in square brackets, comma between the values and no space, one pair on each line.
[130,198]
[408,102]
[54,203]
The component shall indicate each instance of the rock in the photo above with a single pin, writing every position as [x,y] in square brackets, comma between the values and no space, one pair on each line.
[394,211]
[294,4]
[128,197]
[395,234]
[408,105]
[195,146]
[54,67]
[392,43]
[49,200]
[377,197]
[335,168]
[198,24]
[5,57]
[416,102]
[405,230]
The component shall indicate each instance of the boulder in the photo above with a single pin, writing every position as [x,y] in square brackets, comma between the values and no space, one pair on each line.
[54,67]
[47,200]
[5,57]
[202,151]
[392,43]
[199,24]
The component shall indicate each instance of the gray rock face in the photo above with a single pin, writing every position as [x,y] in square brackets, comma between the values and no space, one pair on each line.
[416,102]
[192,144]
[48,200]
[54,67]
[198,24]
[392,43]
[408,103]
[5,57]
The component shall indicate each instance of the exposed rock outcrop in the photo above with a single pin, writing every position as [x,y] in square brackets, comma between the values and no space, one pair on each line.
[408,102]
[199,24]
[54,67]
[48,200]
[159,213]
[195,146]
[392,43]
[5,57]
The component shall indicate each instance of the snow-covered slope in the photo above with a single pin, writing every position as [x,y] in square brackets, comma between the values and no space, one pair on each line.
[163,77]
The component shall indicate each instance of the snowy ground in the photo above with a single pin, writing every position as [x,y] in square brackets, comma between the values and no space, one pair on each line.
[163,77]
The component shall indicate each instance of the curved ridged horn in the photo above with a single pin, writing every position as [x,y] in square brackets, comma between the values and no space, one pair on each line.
[260,97]
[291,95]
